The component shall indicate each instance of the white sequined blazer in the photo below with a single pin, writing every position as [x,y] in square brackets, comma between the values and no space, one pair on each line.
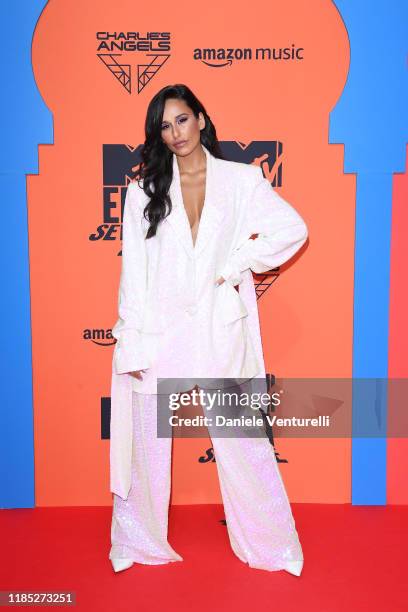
[173,319]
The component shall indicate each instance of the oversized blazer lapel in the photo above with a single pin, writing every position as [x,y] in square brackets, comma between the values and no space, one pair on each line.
[213,211]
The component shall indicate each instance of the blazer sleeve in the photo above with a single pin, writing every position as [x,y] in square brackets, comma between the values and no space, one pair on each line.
[128,353]
[281,232]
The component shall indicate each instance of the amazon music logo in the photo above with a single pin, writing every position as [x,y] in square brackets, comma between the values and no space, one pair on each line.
[117,52]
[221,57]
[100,336]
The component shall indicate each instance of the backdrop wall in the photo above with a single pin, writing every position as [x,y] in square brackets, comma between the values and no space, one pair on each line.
[337,310]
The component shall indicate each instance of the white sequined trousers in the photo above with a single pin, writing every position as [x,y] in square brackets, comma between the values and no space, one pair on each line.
[259,520]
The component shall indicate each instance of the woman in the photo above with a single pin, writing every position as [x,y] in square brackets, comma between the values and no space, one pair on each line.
[187,244]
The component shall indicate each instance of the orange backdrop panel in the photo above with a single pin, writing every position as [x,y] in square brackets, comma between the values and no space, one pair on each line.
[306,316]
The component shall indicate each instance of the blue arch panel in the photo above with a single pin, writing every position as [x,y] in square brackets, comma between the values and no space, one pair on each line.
[371,120]
[25,122]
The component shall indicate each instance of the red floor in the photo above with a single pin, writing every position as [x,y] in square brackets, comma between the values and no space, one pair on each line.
[355,560]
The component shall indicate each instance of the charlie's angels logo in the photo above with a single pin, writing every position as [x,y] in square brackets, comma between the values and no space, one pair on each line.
[121,161]
[117,51]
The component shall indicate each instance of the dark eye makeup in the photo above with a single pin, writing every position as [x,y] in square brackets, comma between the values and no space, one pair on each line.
[181,120]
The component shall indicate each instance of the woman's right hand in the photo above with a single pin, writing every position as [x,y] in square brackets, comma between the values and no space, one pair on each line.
[137,374]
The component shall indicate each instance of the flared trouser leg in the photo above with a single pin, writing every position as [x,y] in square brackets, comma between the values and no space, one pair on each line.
[140,523]
[259,519]
[260,524]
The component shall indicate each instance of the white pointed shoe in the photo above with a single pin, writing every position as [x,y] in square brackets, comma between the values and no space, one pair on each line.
[294,567]
[121,564]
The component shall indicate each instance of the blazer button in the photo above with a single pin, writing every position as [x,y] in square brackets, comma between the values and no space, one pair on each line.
[191,310]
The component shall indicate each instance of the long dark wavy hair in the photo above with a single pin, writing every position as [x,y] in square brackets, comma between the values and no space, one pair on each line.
[156,168]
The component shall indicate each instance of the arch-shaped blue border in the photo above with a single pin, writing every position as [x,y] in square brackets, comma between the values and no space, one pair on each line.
[25,122]
[371,120]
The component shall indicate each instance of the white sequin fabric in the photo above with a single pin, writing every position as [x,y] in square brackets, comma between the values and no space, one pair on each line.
[260,524]
[139,523]
[176,322]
